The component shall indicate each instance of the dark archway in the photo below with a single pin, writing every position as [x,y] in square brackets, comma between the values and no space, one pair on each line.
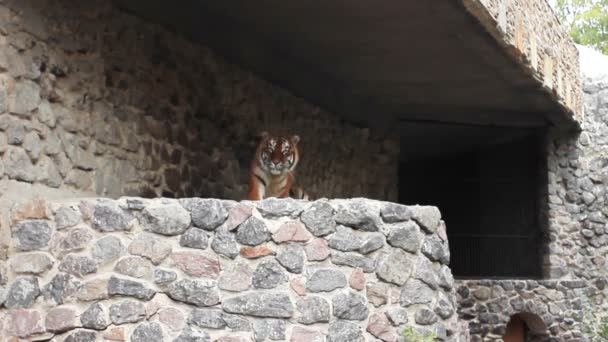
[522,326]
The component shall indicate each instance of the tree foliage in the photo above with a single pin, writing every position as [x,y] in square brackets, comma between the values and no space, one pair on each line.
[587,21]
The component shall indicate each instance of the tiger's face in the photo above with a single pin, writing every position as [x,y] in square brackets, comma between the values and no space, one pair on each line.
[278,154]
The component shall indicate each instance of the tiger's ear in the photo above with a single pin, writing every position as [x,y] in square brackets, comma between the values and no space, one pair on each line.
[295,139]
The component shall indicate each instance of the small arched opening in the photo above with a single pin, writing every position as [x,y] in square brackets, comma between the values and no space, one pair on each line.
[523,326]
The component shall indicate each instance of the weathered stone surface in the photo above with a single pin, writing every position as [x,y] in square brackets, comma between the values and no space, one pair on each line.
[34,209]
[279,207]
[345,240]
[81,336]
[148,332]
[109,217]
[377,293]
[73,240]
[173,318]
[425,317]
[31,144]
[127,311]
[23,323]
[426,273]
[62,287]
[268,274]
[325,280]
[292,231]
[313,309]
[61,319]
[319,218]
[166,219]
[395,266]
[357,279]
[444,307]
[196,292]
[162,277]
[374,242]
[18,166]
[436,250]
[427,217]
[94,317]
[224,243]
[134,266]
[300,334]
[26,99]
[273,329]
[406,236]
[248,252]
[196,264]
[349,305]
[193,334]
[353,260]
[207,214]
[93,290]
[252,232]
[149,246]
[130,288]
[379,326]
[236,278]
[393,212]
[342,331]
[22,293]
[317,250]
[115,334]
[446,280]
[396,316]
[77,265]
[292,258]
[237,215]
[107,249]
[359,214]
[33,263]
[194,238]
[298,284]
[260,304]
[415,292]
[207,318]
[32,235]
[237,323]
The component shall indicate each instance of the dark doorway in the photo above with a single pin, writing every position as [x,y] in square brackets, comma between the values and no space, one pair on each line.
[488,196]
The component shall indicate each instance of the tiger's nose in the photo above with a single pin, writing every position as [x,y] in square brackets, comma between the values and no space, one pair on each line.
[276,161]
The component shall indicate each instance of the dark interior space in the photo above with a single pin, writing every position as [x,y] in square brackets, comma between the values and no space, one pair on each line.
[486,182]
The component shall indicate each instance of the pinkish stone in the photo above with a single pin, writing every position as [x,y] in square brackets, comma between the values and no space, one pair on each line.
[36,209]
[379,326]
[115,334]
[237,215]
[300,334]
[23,323]
[196,264]
[357,279]
[233,339]
[61,319]
[317,250]
[86,209]
[173,318]
[298,284]
[255,252]
[377,293]
[93,290]
[442,231]
[292,231]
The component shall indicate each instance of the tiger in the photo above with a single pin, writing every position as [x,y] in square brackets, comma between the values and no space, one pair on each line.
[272,168]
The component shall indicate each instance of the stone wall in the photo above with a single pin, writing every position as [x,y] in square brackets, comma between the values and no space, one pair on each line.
[205,269]
[98,102]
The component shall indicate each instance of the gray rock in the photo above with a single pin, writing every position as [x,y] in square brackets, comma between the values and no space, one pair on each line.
[280,207]
[66,217]
[94,317]
[268,274]
[353,260]
[393,213]
[358,213]
[425,272]
[27,98]
[260,304]
[166,219]
[396,316]
[61,287]
[127,311]
[273,329]
[207,318]
[444,308]
[15,132]
[109,217]
[207,214]
[415,292]
[194,238]
[147,332]
[32,263]
[252,232]
[436,250]
[425,317]
[236,278]
[373,243]
[313,309]
[78,265]
[446,280]
[325,280]
[193,334]
[107,249]
[427,217]
[237,323]
[48,174]
[224,243]
[319,218]
[22,293]
[31,144]
[292,258]
[134,266]
[32,235]
[130,288]
[81,336]
[76,239]
[406,236]
[149,246]
[349,305]
[196,292]
[395,266]
[162,277]
[17,165]
[342,331]
[345,240]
